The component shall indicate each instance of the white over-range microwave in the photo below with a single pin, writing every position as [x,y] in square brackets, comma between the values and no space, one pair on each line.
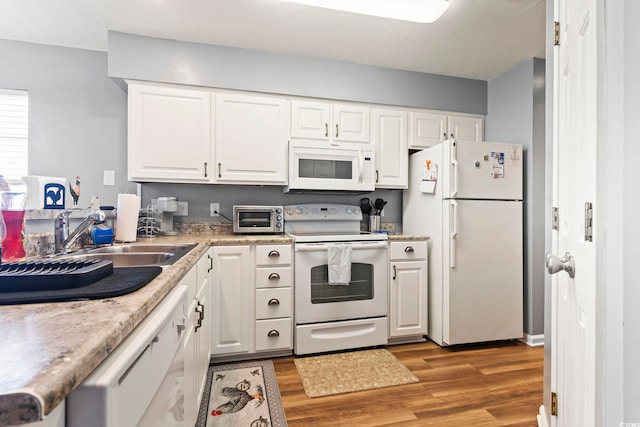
[329,166]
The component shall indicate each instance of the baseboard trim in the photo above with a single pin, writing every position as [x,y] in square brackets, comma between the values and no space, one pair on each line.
[542,417]
[533,340]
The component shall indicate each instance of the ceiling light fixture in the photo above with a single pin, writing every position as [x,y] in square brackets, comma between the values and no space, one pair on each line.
[422,11]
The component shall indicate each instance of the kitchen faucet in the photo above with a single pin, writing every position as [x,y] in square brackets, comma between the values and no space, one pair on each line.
[64,239]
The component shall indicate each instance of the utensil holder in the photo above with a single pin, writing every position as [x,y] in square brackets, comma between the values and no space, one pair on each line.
[374,223]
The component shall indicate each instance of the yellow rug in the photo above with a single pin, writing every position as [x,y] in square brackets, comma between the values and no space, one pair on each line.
[352,371]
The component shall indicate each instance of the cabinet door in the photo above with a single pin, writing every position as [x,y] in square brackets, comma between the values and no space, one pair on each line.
[466,128]
[169,134]
[231,299]
[351,123]
[426,129]
[408,298]
[392,156]
[310,120]
[251,139]
[203,338]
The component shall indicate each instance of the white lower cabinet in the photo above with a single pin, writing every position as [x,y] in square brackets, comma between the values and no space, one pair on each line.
[408,289]
[231,300]
[252,299]
[197,347]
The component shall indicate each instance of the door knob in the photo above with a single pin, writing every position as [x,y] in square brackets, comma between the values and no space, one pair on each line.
[566,263]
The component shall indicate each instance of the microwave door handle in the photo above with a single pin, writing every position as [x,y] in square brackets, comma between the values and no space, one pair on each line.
[361,164]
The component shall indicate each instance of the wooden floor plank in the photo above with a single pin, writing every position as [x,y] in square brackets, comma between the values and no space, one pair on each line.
[493,384]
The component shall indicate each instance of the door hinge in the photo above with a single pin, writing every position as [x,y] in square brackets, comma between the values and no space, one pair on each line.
[554,404]
[555,219]
[556,33]
[588,222]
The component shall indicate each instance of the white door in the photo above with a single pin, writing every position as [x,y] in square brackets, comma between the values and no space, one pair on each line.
[426,129]
[481,170]
[251,139]
[482,271]
[231,300]
[392,159]
[310,120]
[573,351]
[465,128]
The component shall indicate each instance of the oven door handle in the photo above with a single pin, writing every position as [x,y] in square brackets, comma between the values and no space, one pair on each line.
[315,247]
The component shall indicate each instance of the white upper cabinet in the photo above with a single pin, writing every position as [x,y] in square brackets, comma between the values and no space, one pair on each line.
[169,134]
[426,129]
[251,139]
[330,122]
[390,138]
[464,128]
[431,128]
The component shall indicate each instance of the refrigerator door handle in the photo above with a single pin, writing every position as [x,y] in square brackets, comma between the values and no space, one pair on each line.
[454,163]
[454,234]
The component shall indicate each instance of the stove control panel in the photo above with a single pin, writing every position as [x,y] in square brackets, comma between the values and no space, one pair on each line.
[317,211]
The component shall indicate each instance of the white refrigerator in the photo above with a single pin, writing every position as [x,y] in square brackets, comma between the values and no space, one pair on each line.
[467,198]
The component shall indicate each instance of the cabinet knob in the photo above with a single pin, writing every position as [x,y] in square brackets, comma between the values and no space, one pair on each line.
[219,170]
[274,253]
[274,276]
[336,130]
[409,249]
[273,333]
[205,169]
[394,273]
[210,263]
[326,130]
[273,301]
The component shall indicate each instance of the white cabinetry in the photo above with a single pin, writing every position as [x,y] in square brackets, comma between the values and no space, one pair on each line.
[232,299]
[252,299]
[197,347]
[169,133]
[330,122]
[427,128]
[408,289]
[464,128]
[392,158]
[251,139]
[274,298]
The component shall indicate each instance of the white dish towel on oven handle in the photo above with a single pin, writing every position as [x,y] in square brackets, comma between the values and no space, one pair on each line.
[339,264]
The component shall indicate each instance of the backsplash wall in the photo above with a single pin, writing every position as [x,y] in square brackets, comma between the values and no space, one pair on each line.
[200,195]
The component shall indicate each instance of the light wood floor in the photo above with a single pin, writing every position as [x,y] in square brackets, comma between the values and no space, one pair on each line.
[473,385]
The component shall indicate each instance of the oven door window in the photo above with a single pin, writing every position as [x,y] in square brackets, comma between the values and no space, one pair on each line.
[360,287]
[254,219]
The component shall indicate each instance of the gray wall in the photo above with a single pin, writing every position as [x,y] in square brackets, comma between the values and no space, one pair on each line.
[171,61]
[77,115]
[200,195]
[516,115]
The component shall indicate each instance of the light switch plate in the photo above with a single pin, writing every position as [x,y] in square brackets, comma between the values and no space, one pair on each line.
[109,178]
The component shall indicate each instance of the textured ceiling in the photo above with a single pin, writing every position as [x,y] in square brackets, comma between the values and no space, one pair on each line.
[477,39]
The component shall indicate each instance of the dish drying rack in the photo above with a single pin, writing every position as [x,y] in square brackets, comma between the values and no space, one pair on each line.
[149,222]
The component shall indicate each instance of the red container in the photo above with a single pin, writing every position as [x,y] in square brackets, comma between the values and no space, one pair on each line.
[13,243]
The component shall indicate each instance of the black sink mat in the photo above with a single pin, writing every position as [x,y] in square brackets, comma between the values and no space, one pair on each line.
[124,280]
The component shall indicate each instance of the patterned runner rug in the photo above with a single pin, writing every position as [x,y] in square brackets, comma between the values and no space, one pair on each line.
[242,394]
[352,371]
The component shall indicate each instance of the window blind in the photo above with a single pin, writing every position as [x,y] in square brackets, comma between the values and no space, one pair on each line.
[14,132]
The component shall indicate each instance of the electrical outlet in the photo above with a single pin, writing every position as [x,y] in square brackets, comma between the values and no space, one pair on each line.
[388,226]
[215,209]
[183,209]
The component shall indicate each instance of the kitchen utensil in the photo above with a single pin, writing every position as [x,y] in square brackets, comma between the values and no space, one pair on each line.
[378,205]
[365,205]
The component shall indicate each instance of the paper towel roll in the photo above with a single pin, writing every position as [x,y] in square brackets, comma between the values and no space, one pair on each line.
[127,219]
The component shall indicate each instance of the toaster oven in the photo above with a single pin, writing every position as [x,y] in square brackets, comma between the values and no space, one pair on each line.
[249,219]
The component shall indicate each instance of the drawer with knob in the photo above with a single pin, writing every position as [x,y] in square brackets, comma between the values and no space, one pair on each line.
[408,250]
[273,334]
[273,303]
[273,255]
[273,277]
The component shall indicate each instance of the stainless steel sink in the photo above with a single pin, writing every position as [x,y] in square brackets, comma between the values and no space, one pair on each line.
[132,255]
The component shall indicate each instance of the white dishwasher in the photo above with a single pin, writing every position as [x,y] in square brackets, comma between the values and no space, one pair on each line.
[141,382]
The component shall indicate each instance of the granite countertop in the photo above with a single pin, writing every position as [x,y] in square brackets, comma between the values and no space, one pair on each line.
[405,237]
[48,349]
